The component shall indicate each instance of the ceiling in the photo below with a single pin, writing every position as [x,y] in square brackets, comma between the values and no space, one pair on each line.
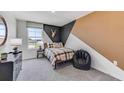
[57,18]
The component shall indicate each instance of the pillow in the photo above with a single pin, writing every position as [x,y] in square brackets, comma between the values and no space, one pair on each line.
[54,45]
[45,45]
[57,45]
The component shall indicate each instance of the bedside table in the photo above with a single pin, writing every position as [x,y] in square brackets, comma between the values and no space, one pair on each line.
[40,53]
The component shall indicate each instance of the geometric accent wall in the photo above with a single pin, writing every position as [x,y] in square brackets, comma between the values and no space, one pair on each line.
[65,31]
[62,33]
[48,28]
[104,32]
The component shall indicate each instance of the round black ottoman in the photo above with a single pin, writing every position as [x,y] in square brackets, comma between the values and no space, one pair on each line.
[82,60]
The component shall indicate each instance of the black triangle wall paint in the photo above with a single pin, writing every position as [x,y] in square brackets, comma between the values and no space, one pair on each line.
[62,33]
[65,31]
[47,29]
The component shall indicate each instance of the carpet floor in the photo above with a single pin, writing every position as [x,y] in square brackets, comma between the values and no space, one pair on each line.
[41,70]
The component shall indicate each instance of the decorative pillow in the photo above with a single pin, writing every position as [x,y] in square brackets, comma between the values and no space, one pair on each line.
[45,45]
[51,45]
[57,45]
[54,45]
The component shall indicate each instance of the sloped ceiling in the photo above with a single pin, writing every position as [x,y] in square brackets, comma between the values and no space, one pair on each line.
[58,18]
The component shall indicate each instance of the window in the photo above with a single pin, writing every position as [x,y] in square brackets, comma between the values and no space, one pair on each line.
[34,36]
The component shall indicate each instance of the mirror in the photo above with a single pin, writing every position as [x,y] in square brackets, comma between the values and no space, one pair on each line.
[3,31]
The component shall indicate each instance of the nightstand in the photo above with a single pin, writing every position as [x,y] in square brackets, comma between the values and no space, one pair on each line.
[40,53]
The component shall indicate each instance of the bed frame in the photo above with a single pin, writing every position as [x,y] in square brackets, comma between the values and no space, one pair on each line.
[58,62]
[55,66]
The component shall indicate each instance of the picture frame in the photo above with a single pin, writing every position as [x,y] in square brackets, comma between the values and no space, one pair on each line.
[3,56]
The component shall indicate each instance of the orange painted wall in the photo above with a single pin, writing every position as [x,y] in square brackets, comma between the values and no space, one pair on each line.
[103,31]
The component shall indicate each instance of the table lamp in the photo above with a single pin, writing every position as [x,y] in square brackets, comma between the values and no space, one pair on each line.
[41,45]
[16,42]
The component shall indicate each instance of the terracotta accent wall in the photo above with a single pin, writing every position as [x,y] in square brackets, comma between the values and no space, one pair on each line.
[103,31]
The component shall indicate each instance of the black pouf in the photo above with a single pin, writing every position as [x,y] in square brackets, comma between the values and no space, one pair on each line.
[82,60]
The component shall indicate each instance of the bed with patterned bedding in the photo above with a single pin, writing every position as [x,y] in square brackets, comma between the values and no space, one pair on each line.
[58,55]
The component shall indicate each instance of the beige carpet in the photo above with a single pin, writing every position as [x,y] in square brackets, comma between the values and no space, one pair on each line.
[41,70]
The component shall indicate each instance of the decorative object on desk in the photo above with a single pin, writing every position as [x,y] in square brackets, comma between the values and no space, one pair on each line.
[16,42]
[3,56]
[3,31]
[53,33]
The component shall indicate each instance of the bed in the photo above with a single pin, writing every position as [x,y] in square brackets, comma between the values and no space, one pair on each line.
[58,54]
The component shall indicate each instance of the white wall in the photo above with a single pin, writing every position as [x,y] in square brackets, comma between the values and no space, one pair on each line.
[99,62]
[22,33]
[11,24]
[12,33]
